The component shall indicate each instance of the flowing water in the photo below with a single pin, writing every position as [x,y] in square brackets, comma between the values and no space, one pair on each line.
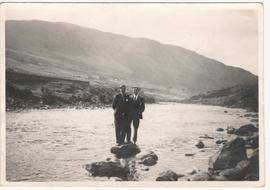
[54,145]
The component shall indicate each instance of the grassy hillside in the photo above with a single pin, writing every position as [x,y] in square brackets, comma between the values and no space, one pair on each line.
[65,50]
[242,96]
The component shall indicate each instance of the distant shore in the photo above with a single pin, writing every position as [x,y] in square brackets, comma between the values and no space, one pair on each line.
[240,96]
[26,91]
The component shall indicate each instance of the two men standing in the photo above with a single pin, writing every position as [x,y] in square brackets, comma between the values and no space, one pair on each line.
[127,110]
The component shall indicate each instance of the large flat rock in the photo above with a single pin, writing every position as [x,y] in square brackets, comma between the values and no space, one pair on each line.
[125,150]
[109,169]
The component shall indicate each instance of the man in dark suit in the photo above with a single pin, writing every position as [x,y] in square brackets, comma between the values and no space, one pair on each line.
[121,119]
[136,109]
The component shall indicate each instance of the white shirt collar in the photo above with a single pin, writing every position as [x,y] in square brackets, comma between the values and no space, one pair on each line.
[135,96]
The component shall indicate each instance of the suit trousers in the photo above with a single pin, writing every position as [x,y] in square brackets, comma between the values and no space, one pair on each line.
[136,122]
[120,123]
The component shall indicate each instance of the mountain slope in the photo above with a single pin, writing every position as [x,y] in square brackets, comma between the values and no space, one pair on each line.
[70,51]
[240,96]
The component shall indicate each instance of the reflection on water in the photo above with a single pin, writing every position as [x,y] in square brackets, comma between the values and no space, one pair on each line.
[54,145]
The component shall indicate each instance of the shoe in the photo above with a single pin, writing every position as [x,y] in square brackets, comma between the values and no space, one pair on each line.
[121,143]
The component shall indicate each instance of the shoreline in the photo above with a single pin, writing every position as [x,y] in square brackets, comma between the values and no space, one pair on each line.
[104,106]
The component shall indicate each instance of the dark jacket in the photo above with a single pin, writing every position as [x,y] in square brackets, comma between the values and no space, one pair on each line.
[121,105]
[137,106]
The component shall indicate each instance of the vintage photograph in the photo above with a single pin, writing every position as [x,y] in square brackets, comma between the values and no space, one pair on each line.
[132,92]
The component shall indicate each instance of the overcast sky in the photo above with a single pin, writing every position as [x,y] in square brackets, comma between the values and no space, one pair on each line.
[227,34]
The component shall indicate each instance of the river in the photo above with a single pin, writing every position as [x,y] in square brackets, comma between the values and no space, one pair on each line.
[54,145]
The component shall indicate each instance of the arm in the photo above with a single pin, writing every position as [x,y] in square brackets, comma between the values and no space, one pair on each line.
[142,105]
[114,102]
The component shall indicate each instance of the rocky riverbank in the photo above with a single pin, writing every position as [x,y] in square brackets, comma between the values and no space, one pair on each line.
[236,160]
[26,91]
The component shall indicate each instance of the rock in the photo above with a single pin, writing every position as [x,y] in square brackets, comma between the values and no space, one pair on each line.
[220,129]
[145,169]
[167,176]
[109,169]
[206,137]
[243,164]
[253,169]
[254,120]
[246,130]
[118,179]
[251,177]
[225,111]
[253,141]
[192,171]
[199,144]
[125,150]
[230,130]
[218,178]
[237,173]
[189,154]
[251,115]
[231,174]
[229,155]
[149,159]
[180,175]
[221,141]
[201,176]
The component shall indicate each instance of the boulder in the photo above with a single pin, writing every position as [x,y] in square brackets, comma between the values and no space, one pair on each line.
[109,169]
[167,176]
[229,155]
[201,176]
[238,173]
[220,129]
[149,159]
[125,150]
[253,169]
[246,130]
[253,141]
[200,144]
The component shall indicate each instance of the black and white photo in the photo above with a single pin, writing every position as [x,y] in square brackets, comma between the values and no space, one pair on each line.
[144,93]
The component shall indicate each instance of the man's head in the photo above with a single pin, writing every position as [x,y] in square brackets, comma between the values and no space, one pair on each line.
[136,90]
[122,89]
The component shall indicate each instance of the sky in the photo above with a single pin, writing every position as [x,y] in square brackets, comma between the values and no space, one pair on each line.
[224,32]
